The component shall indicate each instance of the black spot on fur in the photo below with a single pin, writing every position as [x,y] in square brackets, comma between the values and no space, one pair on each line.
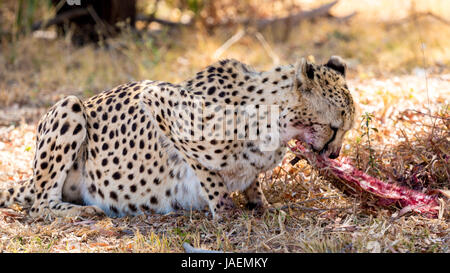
[77,129]
[116,175]
[154,200]
[211,90]
[64,128]
[76,108]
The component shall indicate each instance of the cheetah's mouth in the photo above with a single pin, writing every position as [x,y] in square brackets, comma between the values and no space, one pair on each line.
[306,141]
[298,142]
[309,147]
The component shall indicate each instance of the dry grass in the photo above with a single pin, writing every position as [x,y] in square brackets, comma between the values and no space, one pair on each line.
[324,216]
[386,77]
[28,66]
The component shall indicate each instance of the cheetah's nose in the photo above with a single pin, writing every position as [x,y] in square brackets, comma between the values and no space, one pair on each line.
[335,154]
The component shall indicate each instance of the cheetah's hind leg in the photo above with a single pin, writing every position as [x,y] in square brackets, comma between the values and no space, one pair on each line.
[61,135]
[22,193]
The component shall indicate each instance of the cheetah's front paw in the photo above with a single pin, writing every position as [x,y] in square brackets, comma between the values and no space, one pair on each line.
[226,203]
[260,205]
[90,211]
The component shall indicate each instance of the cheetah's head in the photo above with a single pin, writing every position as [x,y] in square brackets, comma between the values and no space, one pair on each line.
[323,110]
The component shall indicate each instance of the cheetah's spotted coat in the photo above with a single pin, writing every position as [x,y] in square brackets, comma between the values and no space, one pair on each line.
[125,151]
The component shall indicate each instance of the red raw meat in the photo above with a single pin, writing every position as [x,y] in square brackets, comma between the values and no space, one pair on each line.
[388,193]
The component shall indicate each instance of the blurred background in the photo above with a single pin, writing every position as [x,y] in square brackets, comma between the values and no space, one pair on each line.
[50,48]
[398,56]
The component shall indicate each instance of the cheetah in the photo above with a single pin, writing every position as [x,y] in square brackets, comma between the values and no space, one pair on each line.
[157,147]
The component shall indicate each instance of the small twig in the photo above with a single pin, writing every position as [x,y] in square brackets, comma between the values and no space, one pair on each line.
[294,177]
[235,38]
[98,20]
[190,249]
[297,205]
[310,209]
[344,18]
[317,209]
[425,114]
[317,199]
[415,17]
[152,18]
[268,49]
[60,18]
[422,47]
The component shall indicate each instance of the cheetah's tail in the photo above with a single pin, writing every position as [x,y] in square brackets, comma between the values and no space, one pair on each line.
[21,193]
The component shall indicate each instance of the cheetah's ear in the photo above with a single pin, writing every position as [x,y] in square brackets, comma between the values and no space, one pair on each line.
[337,64]
[297,77]
[304,72]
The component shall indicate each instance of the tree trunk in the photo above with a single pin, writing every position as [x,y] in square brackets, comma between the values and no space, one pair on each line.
[93,20]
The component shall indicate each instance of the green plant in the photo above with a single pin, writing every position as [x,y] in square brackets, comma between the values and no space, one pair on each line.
[366,131]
